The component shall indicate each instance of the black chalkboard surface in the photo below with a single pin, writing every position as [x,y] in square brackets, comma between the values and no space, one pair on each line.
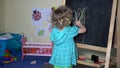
[97,20]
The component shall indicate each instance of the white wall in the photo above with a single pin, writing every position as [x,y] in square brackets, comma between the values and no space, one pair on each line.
[18,16]
[2,23]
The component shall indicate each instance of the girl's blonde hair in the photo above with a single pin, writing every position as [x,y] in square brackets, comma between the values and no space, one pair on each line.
[61,17]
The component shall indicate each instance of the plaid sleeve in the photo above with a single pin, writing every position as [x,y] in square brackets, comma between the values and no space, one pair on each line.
[52,35]
[73,31]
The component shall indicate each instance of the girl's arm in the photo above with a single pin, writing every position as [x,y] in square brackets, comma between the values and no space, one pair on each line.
[82,28]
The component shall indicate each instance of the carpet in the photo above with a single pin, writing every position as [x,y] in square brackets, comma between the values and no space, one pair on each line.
[47,66]
[26,63]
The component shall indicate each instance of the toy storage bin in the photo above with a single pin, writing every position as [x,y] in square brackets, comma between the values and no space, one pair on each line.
[2,47]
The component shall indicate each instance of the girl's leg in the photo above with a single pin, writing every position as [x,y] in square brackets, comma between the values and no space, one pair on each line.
[71,66]
[56,67]
[63,66]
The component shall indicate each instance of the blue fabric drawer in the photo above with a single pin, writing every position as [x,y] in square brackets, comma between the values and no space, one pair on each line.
[2,47]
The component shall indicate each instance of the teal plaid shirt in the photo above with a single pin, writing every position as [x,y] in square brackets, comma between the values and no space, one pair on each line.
[64,51]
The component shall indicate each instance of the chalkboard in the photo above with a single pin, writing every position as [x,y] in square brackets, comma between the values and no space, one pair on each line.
[97,20]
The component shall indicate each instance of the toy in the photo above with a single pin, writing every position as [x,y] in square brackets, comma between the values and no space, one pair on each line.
[7,58]
[33,62]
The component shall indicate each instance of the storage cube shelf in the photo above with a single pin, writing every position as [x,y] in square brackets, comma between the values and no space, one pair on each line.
[36,49]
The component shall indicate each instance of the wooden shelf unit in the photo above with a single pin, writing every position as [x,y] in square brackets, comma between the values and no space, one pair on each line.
[90,64]
[91,47]
[94,48]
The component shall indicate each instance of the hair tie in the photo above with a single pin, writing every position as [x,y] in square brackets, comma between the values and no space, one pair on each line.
[53,8]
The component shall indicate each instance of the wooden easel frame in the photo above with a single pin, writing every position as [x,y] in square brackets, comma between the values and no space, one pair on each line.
[110,36]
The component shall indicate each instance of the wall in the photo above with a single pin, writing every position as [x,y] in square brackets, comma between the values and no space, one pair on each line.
[118,35]
[18,16]
[2,23]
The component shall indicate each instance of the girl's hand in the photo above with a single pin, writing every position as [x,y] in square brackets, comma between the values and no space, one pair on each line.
[78,23]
